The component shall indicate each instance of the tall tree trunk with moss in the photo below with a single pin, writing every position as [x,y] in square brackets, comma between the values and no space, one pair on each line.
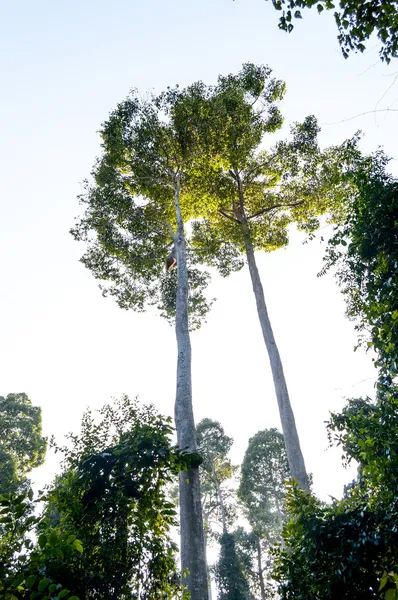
[292,442]
[191,521]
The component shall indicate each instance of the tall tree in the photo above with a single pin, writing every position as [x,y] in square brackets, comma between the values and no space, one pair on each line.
[134,227]
[262,492]
[22,445]
[357,21]
[255,195]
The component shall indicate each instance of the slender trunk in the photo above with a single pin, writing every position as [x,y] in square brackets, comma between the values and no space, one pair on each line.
[191,523]
[220,500]
[260,570]
[292,442]
[207,568]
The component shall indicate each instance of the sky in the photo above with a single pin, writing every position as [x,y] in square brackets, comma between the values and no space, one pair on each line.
[63,67]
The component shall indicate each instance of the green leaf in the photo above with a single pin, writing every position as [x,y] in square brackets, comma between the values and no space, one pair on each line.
[53,538]
[383,581]
[5,520]
[43,583]
[19,579]
[30,580]
[42,540]
[74,598]
[52,588]
[78,545]
[390,594]
[63,593]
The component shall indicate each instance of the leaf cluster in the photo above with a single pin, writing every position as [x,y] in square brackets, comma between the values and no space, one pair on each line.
[357,21]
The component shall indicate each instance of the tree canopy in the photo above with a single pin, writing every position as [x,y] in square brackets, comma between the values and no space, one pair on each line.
[130,203]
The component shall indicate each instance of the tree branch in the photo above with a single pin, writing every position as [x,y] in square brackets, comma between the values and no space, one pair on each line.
[269,208]
[225,214]
[169,227]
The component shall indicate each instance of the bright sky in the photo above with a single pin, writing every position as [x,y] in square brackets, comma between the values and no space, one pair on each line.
[63,67]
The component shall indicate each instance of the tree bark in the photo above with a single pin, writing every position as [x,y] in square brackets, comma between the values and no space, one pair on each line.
[191,522]
[292,442]
[260,570]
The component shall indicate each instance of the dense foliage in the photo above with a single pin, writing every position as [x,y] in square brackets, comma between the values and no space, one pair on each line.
[357,21]
[365,250]
[25,561]
[104,531]
[349,549]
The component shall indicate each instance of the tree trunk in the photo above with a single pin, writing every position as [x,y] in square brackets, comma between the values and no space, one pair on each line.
[191,523]
[207,568]
[292,443]
[260,570]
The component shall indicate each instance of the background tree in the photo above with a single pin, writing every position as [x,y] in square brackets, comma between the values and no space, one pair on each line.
[253,197]
[357,21]
[214,446]
[230,576]
[22,445]
[218,501]
[134,218]
[264,473]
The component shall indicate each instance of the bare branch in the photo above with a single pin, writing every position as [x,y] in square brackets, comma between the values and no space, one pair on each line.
[368,112]
[169,227]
